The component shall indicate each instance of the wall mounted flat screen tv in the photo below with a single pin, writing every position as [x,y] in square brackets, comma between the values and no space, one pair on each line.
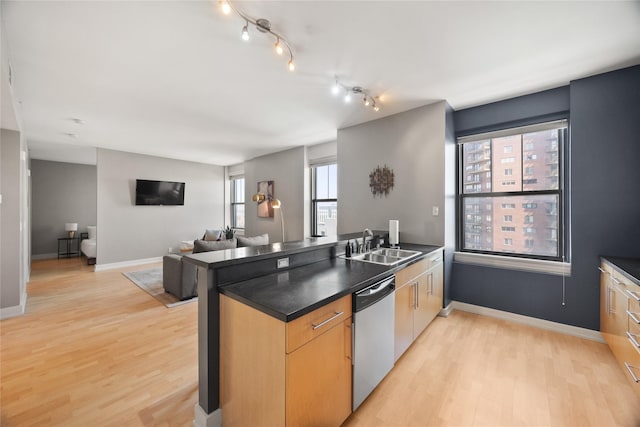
[159,193]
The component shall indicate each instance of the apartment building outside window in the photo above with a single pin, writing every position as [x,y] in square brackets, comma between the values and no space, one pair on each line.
[510,200]
[324,200]
[237,202]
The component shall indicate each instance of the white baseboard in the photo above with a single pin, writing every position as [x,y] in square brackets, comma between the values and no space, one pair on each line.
[16,310]
[123,264]
[530,321]
[445,312]
[45,256]
[202,419]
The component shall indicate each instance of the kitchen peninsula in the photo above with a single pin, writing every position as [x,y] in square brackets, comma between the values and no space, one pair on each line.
[276,292]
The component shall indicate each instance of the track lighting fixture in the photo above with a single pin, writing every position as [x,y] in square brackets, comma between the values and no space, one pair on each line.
[263,26]
[349,91]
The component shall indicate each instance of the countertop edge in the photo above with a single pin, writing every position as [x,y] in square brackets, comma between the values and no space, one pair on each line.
[615,261]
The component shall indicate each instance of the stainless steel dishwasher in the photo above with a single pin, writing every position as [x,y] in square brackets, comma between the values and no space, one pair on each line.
[373,318]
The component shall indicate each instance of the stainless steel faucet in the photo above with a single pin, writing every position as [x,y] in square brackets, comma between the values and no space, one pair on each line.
[366,244]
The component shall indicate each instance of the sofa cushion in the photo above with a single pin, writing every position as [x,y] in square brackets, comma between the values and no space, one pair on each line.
[206,246]
[260,240]
[211,235]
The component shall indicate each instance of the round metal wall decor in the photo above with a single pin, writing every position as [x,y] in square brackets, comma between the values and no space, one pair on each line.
[381,181]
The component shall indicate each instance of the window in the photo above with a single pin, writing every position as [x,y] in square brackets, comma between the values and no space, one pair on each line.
[324,200]
[530,188]
[237,202]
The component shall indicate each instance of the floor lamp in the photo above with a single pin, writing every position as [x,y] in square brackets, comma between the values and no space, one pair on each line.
[277,204]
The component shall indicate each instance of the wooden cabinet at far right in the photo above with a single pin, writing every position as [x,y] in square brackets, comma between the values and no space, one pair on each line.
[620,319]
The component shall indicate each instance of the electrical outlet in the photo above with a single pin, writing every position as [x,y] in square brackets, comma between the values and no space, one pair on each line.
[283,262]
[435,211]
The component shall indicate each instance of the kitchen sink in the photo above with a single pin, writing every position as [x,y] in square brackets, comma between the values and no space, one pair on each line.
[385,256]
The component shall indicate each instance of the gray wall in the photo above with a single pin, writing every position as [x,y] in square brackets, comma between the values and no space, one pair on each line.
[11,247]
[289,172]
[604,197]
[410,143]
[61,193]
[127,232]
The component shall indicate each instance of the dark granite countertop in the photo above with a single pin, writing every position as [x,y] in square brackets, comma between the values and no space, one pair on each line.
[630,267]
[291,294]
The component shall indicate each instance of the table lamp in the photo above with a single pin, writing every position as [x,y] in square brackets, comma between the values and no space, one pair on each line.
[71,227]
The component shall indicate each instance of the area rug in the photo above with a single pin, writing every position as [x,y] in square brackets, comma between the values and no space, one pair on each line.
[150,281]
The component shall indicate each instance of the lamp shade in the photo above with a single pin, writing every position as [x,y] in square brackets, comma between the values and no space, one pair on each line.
[71,226]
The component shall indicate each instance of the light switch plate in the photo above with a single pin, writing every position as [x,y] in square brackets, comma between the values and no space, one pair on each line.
[435,211]
[283,262]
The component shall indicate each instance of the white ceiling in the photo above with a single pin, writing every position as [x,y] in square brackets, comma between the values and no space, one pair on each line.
[174,79]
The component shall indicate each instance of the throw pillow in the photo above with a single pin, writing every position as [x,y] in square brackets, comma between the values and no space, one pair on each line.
[260,240]
[211,235]
[92,231]
[208,246]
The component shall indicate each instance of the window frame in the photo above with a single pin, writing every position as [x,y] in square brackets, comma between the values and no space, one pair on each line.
[233,200]
[561,192]
[315,200]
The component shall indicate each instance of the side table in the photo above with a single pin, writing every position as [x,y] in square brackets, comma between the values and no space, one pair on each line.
[69,248]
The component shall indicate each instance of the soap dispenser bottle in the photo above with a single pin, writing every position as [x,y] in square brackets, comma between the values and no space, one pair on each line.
[347,249]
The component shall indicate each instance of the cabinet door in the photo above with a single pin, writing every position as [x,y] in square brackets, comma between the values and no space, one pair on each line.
[405,301]
[605,327]
[318,379]
[437,289]
[423,311]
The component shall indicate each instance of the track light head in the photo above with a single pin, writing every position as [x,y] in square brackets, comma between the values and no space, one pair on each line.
[279,49]
[245,32]
[292,65]
[347,96]
[335,89]
[366,101]
[224,5]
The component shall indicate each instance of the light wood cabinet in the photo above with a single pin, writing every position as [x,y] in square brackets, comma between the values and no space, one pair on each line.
[620,320]
[419,293]
[285,374]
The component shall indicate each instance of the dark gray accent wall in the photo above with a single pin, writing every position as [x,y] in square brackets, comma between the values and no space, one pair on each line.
[604,196]
[61,193]
[512,112]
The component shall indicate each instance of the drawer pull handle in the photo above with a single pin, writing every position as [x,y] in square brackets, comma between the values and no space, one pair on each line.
[630,369]
[602,271]
[616,281]
[633,295]
[633,316]
[632,338]
[321,324]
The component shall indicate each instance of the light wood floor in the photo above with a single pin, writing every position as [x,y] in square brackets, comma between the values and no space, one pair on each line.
[95,350]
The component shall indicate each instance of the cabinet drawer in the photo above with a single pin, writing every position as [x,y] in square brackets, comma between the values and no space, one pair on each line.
[411,272]
[309,326]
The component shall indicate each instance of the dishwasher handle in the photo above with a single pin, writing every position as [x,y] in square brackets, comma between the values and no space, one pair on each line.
[374,293]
